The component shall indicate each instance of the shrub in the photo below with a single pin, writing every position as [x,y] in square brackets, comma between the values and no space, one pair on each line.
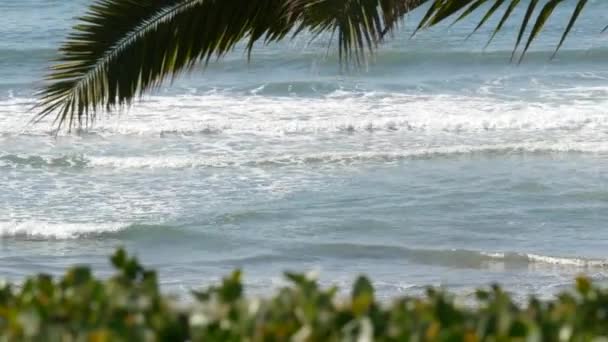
[130,307]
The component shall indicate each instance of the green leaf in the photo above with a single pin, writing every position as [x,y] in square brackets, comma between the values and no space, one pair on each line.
[362,296]
[577,11]
[506,15]
[545,13]
[119,258]
[232,288]
[583,285]
[121,49]
[524,25]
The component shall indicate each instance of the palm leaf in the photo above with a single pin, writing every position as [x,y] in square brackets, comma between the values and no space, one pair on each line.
[122,48]
[442,9]
[360,24]
[577,11]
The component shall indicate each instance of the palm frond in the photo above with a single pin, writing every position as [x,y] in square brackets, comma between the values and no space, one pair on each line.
[123,48]
[440,10]
[359,24]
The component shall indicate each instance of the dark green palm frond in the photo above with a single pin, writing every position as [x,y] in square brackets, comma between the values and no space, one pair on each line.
[359,24]
[537,12]
[122,48]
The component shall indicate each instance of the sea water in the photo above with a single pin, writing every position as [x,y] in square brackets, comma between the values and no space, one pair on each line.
[438,162]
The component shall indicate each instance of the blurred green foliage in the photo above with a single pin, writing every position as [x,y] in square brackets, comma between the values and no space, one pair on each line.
[130,307]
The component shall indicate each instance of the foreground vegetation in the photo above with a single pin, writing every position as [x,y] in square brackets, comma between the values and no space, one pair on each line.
[130,307]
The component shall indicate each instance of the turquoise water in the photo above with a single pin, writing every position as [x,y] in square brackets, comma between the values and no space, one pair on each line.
[438,163]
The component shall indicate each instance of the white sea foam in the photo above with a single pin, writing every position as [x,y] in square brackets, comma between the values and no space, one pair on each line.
[575,262]
[59,231]
[338,112]
[168,162]
[538,259]
[258,159]
[493,255]
[342,157]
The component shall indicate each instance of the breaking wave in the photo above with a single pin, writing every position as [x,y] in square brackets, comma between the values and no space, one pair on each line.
[451,257]
[338,112]
[39,230]
[15,160]
[284,160]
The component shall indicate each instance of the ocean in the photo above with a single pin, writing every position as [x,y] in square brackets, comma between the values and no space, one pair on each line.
[438,162]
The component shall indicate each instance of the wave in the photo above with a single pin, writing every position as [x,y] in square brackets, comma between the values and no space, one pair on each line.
[15,160]
[352,157]
[338,112]
[451,257]
[460,258]
[39,230]
[576,262]
[457,258]
[285,160]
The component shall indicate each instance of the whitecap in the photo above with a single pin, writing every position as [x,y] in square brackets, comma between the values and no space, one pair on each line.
[56,231]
